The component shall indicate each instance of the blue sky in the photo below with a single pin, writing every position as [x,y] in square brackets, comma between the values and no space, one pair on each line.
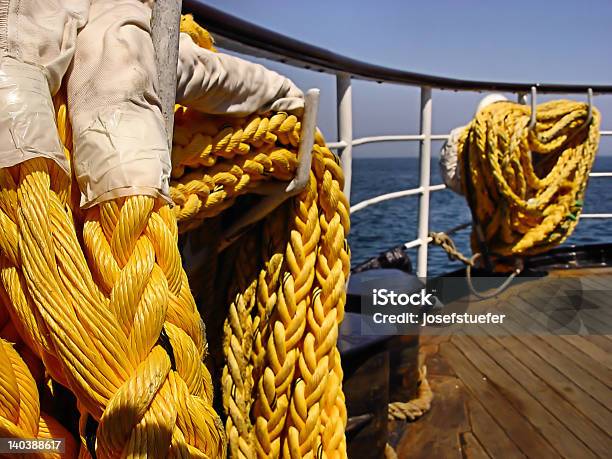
[529,41]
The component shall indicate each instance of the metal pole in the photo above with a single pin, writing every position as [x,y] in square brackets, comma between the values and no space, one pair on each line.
[424,168]
[345,128]
[165,25]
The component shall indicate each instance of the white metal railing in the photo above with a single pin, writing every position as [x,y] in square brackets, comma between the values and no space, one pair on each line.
[345,144]
[239,35]
[394,195]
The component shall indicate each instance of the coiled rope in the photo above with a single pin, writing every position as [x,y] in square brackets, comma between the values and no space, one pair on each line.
[101,297]
[526,186]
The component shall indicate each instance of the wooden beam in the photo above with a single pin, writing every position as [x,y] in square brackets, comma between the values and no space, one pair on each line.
[165,25]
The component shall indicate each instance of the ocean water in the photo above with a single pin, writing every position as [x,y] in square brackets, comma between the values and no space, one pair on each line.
[391,223]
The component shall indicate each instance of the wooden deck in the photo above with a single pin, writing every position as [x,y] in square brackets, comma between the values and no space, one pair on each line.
[519,395]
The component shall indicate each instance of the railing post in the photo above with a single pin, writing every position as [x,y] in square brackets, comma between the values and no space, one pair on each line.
[424,180]
[345,127]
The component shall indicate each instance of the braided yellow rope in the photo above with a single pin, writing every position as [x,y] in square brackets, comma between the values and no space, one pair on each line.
[102,298]
[20,415]
[283,353]
[216,160]
[237,379]
[102,320]
[526,187]
[105,323]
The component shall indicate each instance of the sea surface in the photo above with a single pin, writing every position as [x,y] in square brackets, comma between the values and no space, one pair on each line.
[385,225]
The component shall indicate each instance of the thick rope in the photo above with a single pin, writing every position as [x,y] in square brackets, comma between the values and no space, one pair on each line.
[122,330]
[102,298]
[20,415]
[216,160]
[526,186]
[237,379]
[293,371]
[418,406]
[105,323]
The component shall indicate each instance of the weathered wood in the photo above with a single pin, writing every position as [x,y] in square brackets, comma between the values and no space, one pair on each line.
[565,311]
[492,437]
[600,341]
[528,392]
[569,384]
[165,23]
[597,368]
[472,449]
[521,398]
[437,433]
[529,440]
[583,433]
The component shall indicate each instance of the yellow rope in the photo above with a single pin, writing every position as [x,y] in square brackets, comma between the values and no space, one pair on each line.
[526,187]
[105,304]
[101,297]
[20,415]
[283,379]
[293,372]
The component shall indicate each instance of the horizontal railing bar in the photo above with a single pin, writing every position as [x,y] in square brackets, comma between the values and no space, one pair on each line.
[394,195]
[239,35]
[414,191]
[417,242]
[335,145]
[386,138]
[397,138]
[595,215]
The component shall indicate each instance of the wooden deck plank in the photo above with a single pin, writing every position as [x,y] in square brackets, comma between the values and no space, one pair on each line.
[597,303]
[437,434]
[600,340]
[567,383]
[580,272]
[598,282]
[519,395]
[531,442]
[491,436]
[548,352]
[564,309]
[582,428]
[550,288]
[484,429]
[539,395]
[599,369]
[472,449]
